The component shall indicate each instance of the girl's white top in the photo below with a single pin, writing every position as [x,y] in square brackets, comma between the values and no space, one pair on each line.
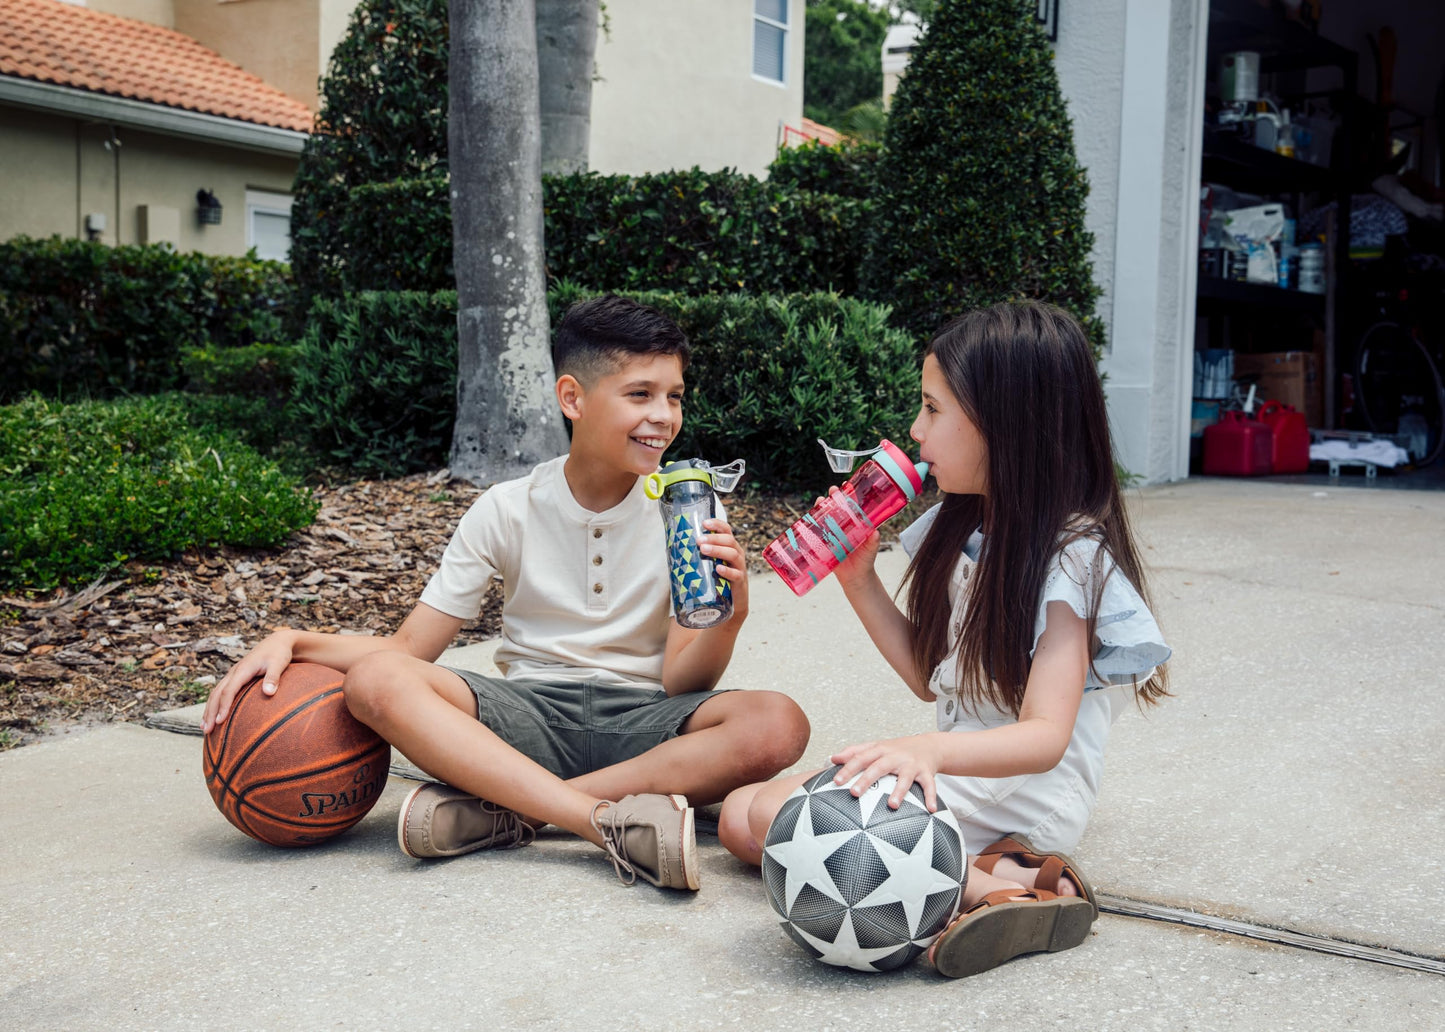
[1051,808]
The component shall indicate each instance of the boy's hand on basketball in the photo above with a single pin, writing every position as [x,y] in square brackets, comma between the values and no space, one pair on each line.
[720,545]
[911,759]
[266,661]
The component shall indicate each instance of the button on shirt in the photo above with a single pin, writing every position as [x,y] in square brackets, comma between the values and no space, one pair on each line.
[585,594]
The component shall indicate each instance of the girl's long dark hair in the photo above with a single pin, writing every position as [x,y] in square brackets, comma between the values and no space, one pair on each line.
[1024,374]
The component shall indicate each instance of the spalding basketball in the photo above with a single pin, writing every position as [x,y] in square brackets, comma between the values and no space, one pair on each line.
[294,768]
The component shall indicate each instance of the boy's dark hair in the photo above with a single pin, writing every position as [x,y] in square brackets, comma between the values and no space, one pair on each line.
[596,334]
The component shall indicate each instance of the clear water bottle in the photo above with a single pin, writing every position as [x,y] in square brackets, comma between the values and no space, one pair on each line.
[685,494]
[810,549]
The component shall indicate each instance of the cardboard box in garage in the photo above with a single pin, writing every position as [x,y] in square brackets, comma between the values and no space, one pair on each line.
[1290,377]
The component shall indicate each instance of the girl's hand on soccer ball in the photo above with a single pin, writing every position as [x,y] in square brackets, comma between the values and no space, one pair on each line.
[911,759]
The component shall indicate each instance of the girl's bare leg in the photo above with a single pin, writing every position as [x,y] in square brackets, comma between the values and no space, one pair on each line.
[748,811]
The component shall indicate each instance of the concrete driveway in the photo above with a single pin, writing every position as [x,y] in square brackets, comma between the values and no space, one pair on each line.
[1297,781]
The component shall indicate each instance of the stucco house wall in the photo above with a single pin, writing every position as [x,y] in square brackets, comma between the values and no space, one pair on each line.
[56,170]
[675,88]
[277,40]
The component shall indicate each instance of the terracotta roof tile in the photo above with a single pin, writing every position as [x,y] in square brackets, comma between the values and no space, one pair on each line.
[826,135]
[56,42]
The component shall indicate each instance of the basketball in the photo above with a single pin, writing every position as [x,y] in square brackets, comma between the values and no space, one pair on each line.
[294,768]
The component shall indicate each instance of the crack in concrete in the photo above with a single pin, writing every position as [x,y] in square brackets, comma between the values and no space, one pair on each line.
[1279,936]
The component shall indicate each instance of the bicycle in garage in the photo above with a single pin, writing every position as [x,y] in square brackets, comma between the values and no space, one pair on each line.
[1398,389]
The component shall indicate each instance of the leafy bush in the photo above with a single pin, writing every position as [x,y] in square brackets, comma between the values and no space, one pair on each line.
[980,197]
[376,378]
[261,370]
[85,487]
[383,117]
[845,169]
[397,236]
[372,209]
[81,319]
[699,232]
[245,394]
[696,232]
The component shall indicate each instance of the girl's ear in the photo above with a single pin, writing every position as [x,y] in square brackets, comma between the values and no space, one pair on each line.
[569,395]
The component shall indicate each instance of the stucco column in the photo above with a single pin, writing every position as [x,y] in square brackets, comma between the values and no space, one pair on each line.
[1151,339]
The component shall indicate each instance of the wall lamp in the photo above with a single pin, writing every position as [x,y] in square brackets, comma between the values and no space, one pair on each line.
[208,208]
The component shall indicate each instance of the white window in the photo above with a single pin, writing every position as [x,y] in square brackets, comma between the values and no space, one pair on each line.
[770,40]
[268,224]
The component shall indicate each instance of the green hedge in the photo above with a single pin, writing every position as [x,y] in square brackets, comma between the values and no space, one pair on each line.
[694,232]
[81,319]
[376,379]
[844,169]
[84,487]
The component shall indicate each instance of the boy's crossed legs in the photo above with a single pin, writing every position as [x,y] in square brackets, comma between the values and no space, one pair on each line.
[430,714]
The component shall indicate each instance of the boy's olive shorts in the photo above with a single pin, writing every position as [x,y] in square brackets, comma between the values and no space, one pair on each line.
[575,727]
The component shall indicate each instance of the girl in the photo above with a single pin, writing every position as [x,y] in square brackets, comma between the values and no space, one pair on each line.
[1026,624]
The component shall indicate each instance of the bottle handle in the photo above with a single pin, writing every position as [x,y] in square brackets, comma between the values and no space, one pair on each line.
[840,460]
[725,478]
[720,478]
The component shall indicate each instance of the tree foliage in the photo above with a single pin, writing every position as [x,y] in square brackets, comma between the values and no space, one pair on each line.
[383,116]
[980,197]
[842,57]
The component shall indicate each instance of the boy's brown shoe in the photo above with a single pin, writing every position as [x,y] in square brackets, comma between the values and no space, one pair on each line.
[652,836]
[438,820]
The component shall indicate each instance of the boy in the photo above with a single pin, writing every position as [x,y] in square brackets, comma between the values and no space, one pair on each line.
[606,721]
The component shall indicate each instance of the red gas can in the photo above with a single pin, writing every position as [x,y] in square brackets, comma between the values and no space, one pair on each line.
[1291,435]
[1237,446]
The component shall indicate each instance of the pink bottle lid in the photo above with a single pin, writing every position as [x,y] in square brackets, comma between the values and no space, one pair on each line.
[904,472]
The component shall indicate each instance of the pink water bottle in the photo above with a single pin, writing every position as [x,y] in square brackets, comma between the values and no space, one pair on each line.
[808,550]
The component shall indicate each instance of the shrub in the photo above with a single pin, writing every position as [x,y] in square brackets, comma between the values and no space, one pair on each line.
[383,117]
[695,232]
[260,370]
[85,487]
[698,232]
[845,169]
[245,394]
[980,198]
[376,380]
[398,236]
[239,301]
[81,319]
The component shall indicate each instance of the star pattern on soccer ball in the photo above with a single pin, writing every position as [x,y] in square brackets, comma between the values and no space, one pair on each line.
[803,857]
[914,869]
[844,951]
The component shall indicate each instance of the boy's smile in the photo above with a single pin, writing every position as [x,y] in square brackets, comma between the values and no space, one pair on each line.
[624,421]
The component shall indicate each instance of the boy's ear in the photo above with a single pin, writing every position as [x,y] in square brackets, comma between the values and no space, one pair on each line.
[569,395]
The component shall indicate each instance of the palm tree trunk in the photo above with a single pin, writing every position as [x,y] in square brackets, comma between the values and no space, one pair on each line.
[507,415]
[566,51]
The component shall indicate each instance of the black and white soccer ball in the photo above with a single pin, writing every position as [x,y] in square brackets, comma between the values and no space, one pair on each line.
[859,884]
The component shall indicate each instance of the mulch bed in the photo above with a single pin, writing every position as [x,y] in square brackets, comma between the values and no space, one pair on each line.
[157,636]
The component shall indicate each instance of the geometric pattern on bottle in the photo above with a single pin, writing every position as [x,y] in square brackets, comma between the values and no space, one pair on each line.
[694,578]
